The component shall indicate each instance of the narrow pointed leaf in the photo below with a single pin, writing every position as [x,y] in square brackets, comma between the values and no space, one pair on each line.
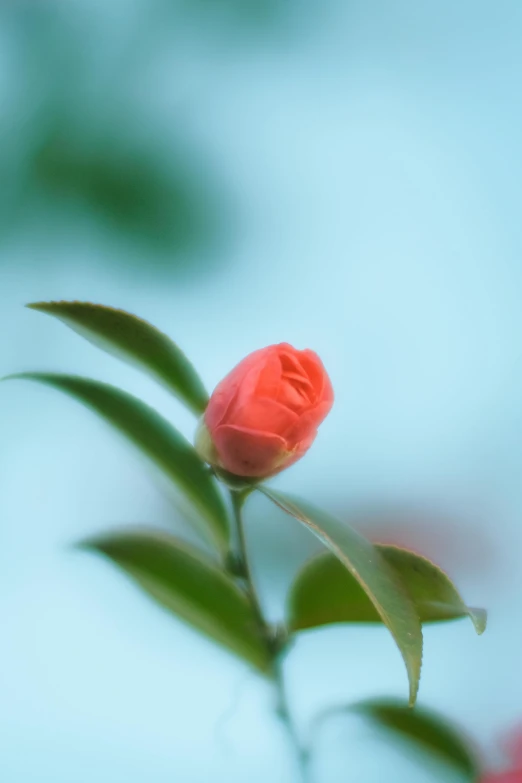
[325,592]
[135,341]
[157,439]
[425,731]
[189,585]
[372,572]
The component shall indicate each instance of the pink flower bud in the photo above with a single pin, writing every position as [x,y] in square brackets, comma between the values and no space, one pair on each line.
[264,415]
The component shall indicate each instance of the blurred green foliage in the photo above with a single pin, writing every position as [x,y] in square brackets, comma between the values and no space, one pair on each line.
[80,156]
[132,189]
[256,14]
[426,732]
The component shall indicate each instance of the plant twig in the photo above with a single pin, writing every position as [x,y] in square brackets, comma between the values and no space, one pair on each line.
[242,561]
[242,567]
[285,716]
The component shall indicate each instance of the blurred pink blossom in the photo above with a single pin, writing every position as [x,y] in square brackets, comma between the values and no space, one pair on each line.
[512,747]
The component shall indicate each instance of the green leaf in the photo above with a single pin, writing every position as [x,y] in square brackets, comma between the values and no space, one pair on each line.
[129,185]
[325,592]
[191,586]
[156,438]
[372,572]
[424,731]
[135,341]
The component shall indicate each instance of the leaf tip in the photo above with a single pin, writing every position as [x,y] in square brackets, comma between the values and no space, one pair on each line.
[55,306]
[90,544]
[414,675]
[479,618]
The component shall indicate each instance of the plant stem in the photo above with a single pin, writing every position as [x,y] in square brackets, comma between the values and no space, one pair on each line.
[285,716]
[278,652]
[238,499]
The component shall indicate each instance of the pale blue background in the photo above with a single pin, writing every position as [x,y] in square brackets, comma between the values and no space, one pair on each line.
[373,150]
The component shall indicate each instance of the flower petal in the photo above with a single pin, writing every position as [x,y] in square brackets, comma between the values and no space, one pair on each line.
[315,371]
[262,415]
[270,375]
[293,396]
[247,453]
[301,449]
[308,423]
[226,391]
[291,365]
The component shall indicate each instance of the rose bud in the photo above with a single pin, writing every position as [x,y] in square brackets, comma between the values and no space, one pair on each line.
[264,414]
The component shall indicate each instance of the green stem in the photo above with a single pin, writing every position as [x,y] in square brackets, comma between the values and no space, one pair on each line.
[285,716]
[278,652]
[243,563]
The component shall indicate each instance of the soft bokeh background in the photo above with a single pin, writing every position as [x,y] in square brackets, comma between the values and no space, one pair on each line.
[343,175]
